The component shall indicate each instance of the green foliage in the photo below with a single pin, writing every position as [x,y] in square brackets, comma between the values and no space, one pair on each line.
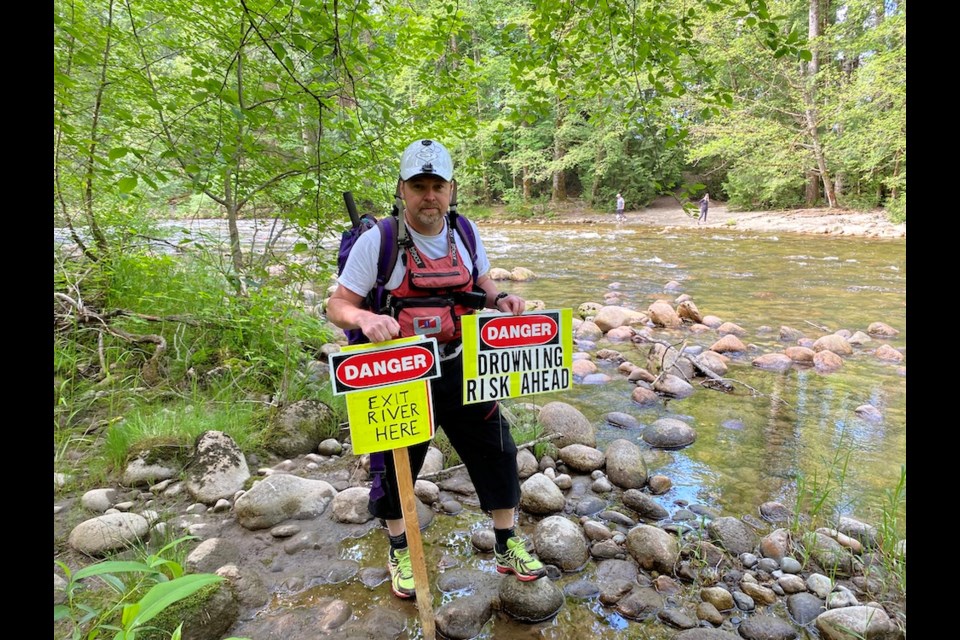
[137,591]
[897,208]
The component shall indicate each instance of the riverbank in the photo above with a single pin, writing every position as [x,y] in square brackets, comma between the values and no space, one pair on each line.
[666,213]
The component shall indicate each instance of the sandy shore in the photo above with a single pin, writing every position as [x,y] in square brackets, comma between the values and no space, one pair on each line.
[667,213]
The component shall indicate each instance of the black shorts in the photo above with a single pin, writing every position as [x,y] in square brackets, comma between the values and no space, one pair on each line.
[480,436]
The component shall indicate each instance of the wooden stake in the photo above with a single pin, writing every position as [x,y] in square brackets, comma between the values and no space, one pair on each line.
[408,504]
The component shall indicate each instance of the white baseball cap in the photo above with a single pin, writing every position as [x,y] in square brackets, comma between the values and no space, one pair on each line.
[426,157]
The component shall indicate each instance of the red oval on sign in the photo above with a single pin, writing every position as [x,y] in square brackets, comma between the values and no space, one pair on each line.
[385,367]
[519,331]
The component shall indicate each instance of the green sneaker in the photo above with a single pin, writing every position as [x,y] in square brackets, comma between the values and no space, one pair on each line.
[401,573]
[516,559]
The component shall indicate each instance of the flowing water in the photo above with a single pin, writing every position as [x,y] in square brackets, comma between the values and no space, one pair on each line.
[799,429]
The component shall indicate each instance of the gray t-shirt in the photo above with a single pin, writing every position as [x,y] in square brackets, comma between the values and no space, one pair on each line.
[360,273]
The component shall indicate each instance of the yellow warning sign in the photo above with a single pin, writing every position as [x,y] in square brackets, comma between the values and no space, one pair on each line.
[506,356]
[391,417]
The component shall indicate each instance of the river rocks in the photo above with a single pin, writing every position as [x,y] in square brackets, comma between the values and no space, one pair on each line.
[733,535]
[588,331]
[612,317]
[669,433]
[869,413]
[789,334]
[140,473]
[804,607]
[645,506]
[109,532]
[533,601]
[829,554]
[773,362]
[663,315]
[850,623]
[583,368]
[718,597]
[862,531]
[802,355]
[776,544]
[673,386]
[219,469]
[350,505]
[833,343]
[759,593]
[582,458]
[428,492]
[587,309]
[539,495]
[687,310]
[827,361]
[463,618]
[659,484]
[882,330]
[707,634]
[299,428]
[211,554]
[670,360]
[625,465]
[644,396]
[728,344]
[714,361]
[527,464]
[729,328]
[888,353]
[99,500]
[567,421]
[653,548]
[859,338]
[775,512]
[766,627]
[432,462]
[281,497]
[561,542]
[640,604]
[622,420]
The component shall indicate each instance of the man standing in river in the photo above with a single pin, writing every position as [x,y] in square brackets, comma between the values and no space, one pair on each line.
[620,206]
[433,271]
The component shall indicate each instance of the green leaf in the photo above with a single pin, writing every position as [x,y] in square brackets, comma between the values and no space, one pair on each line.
[806,55]
[60,612]
[300,247]
[164,594]
[128,184]
[112,566]
[117,153]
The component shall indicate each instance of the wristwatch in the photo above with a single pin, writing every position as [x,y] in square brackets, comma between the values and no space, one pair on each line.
[500,296]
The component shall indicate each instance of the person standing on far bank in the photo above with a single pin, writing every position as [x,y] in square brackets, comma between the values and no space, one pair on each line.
[431,280]
[620,206]
[704,205]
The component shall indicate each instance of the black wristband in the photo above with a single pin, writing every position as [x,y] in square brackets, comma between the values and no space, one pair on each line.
[500,296]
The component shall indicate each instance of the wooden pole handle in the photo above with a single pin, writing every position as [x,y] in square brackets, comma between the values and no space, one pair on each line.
[408,504]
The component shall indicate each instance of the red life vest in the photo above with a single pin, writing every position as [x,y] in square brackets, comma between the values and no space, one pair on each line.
[427,300]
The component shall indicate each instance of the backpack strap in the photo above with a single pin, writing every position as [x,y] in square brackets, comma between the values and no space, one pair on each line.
[465,229]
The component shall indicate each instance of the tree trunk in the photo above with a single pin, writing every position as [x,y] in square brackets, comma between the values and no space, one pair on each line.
[95,231]
[810,110]
[526,184]
[559,178]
